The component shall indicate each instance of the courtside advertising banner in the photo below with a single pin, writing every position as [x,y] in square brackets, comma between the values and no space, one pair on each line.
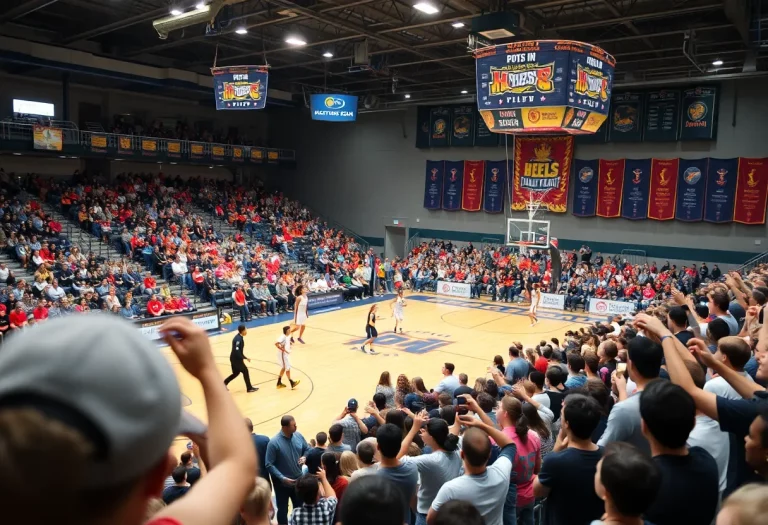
[208,321]
[606,307]
[240,88]
[333,108]
[551,301]
[454,289]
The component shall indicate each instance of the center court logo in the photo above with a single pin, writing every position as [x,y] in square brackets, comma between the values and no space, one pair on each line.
[421,344]
[334,103]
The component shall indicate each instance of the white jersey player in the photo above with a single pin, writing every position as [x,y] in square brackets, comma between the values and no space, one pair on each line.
[397,305]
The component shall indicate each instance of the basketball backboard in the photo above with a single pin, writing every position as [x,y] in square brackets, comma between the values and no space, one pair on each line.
[532,233]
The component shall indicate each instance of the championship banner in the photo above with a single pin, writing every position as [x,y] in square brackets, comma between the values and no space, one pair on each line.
[495,175]
[626,117]
[484,137]
[610,183]
[273,156]
[422,126]
[662,115]
[196,151]
[542,164]
[217,152]
[433,187]
[241,87]
[453,184]
[691,190]
[699,107]
[46,138]
[751,191]
[585,194]
[98,143]
[238,154]
[721,189]
[439,127]
[634,202]
[663,192]
[125,145]
[174,149]
[472,191]
[258,155]
[149,147]
[463,126]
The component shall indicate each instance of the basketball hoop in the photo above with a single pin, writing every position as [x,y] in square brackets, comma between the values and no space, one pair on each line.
[535,198]
[524,247]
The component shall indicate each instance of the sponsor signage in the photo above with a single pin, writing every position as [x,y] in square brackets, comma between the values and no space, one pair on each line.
[551,301]
[322,300]
[605,307]
[333,108]
[454,289]
[208,321]
[240,87]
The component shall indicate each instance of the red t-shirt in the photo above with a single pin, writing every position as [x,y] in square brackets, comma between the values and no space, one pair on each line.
[17,318]
[541,364]
[40,313]
[154,307]
[163,521]
[239,298]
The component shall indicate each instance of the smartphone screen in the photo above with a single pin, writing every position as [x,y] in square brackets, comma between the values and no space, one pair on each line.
[621,368]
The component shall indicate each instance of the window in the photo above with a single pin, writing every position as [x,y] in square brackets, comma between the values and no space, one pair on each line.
[31,107]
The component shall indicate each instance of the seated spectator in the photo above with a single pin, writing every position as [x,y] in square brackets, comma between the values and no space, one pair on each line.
[155,307]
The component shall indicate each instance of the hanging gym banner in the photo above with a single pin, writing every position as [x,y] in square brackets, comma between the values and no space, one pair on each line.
[453,185]
[751,191]
[691,190]
[433,187]
[610,183]
[439,127]
[699,108]
[422,126]
[493,194]
[663,189]
[626,117]
[662,114]
[585,194]
[240,87]
[472,190]
[542,164]
[721,189]
[462,126]
[634,202]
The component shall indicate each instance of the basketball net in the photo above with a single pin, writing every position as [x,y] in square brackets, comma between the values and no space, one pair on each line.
[535,198]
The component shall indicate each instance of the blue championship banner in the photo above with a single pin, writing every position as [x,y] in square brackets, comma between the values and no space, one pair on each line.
[484,137]
[626,117]
[422,126]
[662,115]
[495,175]
[721,190]
[241,87]
[691,189]
[462,127]
[433,187]
[700,107]
[439,127]
[333,108]
[453,184]
[585,183]
[637,177]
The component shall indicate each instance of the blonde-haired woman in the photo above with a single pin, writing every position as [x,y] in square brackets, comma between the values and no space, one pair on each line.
[258,508]
[348,464]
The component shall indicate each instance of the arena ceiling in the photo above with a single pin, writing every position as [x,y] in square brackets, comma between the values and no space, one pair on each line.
[423,55]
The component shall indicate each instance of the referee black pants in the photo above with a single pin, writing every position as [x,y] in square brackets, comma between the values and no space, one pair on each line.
[237,369]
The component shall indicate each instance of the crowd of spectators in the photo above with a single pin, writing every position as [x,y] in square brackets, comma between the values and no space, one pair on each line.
[123,125]
[505,275]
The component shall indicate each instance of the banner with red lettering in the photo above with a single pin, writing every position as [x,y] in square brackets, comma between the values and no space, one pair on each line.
[751,191]
[663,192]
[472,192]
[541,170]
[610,186]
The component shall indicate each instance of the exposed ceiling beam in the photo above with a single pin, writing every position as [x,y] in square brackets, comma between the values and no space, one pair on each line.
[639,16]
[115,26]
[24,9]
[738,14]
[629,25]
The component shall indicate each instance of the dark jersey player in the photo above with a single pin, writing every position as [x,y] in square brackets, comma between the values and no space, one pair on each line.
[237,360]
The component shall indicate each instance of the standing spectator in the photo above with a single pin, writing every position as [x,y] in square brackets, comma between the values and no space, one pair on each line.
[482,485]
[404,475]
[463,387]
[316,508]
[689,478]
[335,434]
[372,500]
[351,424]
[385,387]
[238,298]
[313,456]
[260,443]
[576,377]
[624,420]
[257,507]
[285,455]
[366,457]
[449,382]
[567,474]
[517,368]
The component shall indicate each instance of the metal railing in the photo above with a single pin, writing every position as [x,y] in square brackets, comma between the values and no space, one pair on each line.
[635,257]
[753,262]
[359,240]
[412,242]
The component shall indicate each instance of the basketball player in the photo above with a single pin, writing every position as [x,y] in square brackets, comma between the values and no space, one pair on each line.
[283,345]
[300,314]
[535,299]
[237,360]
[370,330]
[397,305]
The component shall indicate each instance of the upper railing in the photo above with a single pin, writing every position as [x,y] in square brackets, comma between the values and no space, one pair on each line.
[18,135]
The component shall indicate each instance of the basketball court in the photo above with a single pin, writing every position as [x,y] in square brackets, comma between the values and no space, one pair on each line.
[332,369]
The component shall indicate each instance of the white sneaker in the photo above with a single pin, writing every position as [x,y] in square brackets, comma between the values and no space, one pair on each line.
[371,352]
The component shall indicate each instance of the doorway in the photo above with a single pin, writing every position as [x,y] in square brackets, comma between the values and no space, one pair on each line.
[394,242]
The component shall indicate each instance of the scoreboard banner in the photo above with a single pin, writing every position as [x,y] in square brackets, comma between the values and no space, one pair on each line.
[663,192]
[700,105]
[634,202]
[542,167]
[691,188]
[240,87]
[544,86]
[751,191]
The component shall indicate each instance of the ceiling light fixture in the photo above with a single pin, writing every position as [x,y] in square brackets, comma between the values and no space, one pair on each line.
[241,31]
[295,41]
[464,91]
[176,11]
[717,62]
[426,7]
[200,6]
[407,95]
[328,54]
[458,25]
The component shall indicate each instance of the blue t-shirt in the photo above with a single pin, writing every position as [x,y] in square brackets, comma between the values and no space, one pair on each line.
[516,370]
[406,477]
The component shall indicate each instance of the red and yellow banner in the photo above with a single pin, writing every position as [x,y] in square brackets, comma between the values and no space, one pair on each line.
[257,154]
[98,141]
[610,187]
[751,191]
[237,153]
[663,191]
[541,170]
[46,138]
[472,190]
[174,147]
[149,145]
[124,143]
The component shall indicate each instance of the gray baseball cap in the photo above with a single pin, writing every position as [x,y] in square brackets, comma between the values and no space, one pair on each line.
[101,376]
